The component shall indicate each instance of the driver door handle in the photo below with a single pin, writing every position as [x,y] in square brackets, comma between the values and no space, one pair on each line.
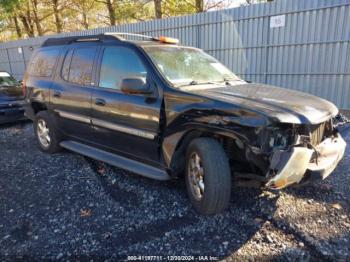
[100,102]
[57,94]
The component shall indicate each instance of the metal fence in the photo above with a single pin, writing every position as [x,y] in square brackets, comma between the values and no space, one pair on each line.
[297,44]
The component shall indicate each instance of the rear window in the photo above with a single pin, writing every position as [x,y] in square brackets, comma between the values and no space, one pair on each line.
[43,63]
[80,64]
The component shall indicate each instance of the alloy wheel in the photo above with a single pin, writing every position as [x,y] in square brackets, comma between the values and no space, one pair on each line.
[43,133]
[196,176]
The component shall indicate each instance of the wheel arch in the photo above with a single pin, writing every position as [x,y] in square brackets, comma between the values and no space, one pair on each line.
[38,107]
[175,145]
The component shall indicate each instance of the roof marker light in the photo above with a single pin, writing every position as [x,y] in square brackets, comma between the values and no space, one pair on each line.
[168,40]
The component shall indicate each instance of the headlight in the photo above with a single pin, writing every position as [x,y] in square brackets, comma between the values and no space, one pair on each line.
[277,138]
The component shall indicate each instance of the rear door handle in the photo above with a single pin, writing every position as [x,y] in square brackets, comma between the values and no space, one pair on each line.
[57,94]
[100,102]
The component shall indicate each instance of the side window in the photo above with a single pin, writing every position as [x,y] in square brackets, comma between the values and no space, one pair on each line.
[43,63]
[119,63]
[81,66]
[66,65]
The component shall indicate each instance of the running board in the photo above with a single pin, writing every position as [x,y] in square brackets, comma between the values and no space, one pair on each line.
[116,160]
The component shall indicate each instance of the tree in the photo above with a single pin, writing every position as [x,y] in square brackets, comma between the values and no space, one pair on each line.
[111,11]
[9,17]
[24,14]
[17,27]
[30,18]
[158,8]
[199,6]
[176,8]
[110,5]
[36,17]
[57,15]
[131,11]
[86,9]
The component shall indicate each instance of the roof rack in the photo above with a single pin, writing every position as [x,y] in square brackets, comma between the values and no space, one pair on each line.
[120,34]
[162,39]
[71,39]
[102,37]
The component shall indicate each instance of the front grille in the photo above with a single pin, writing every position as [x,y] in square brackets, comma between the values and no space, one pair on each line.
[318,132]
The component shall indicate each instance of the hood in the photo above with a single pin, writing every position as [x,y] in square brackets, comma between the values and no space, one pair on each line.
[277,104]
[10,93]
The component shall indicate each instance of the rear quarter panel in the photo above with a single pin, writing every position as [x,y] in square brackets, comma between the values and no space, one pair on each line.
[38,88]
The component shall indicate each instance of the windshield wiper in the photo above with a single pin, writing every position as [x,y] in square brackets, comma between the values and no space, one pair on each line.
[194,82]
[228,80]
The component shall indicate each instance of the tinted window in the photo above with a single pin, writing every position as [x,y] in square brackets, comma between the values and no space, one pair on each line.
[81,66]
[119,63]
[7,80]
[66,65]
[43,63]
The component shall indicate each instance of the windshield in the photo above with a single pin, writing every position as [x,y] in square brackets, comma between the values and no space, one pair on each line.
[7,80]
[188,66]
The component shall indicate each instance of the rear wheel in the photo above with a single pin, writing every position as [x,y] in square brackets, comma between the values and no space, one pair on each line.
[208,176]
[47,136]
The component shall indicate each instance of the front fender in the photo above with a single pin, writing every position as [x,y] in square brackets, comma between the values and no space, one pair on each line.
[189,115]
[172,141]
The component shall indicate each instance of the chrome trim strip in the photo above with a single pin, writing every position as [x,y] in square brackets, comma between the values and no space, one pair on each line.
[124,129]
[104,124]
[75,117]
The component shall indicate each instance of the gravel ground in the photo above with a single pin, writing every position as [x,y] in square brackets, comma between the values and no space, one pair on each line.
[69,207]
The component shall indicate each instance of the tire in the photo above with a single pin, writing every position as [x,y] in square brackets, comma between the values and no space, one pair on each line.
[52,146]
[215,173]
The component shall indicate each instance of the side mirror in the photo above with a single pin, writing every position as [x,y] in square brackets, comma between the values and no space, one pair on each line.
[136,85]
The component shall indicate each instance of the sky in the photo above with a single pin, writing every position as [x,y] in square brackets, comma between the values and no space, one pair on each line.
[232,3]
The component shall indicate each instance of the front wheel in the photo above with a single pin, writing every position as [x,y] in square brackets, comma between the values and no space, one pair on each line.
[47,136]
[208,176]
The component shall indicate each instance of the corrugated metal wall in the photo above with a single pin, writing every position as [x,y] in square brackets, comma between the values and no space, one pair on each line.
[311,52]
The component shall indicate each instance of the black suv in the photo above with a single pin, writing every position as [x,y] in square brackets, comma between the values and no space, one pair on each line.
[11,99]
[163,110]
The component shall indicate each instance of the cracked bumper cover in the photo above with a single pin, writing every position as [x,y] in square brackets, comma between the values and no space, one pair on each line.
[291,166]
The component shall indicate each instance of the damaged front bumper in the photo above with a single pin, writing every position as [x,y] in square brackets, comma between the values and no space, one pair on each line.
[298,163]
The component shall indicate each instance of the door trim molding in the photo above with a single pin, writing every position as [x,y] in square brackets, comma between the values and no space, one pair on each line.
[123,129]
[72,116]
[108,125]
